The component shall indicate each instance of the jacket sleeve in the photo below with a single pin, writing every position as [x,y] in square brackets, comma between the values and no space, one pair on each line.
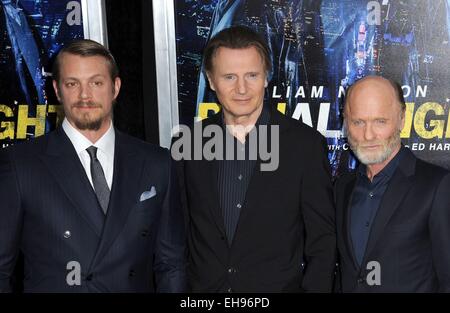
[170,255]
[439,225]
[319,219]
[10,219]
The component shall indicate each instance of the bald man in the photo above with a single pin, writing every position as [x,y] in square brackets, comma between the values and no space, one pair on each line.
[393,212]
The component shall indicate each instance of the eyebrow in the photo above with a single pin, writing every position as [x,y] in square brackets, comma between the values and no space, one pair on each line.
[250,72]
[92,77]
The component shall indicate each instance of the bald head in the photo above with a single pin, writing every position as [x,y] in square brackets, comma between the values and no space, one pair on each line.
[378,84]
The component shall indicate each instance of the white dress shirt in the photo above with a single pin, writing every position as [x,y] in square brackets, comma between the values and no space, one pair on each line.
[105,150]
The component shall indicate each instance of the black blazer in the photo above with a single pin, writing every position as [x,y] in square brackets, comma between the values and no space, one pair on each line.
[410,236]
[287,219]
[49,211]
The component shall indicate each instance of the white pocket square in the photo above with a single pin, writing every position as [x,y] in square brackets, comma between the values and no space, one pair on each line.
[148,194]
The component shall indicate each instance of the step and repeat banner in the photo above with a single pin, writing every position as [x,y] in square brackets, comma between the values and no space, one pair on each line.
[31,33]
[319,48]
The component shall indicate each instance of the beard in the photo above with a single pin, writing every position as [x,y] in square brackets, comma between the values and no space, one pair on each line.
[85,121]
[388,146]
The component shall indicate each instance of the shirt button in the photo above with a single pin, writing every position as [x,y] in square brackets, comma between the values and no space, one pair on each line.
[371,194]
[239,206]
[240,177]
[67,234]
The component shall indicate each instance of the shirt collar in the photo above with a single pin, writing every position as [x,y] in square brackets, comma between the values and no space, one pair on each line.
[81,143]
[389,169]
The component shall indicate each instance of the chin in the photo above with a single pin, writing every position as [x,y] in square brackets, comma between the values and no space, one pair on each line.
[372,158]
[243,111]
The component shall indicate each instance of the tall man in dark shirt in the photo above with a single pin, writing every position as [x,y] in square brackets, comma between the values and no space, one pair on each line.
[253,228]
[393,213]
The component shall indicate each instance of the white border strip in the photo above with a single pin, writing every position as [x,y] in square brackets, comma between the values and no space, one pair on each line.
[166,68]
[94,20]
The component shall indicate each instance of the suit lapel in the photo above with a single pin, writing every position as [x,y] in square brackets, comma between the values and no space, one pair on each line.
[65,166]
[395,192]
[215,207]
[128,169]
[212,168]
[346,220]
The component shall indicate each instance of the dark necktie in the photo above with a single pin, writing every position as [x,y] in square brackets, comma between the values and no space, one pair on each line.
[98,179]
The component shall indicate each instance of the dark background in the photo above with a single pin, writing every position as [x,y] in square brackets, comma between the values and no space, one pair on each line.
[131,41]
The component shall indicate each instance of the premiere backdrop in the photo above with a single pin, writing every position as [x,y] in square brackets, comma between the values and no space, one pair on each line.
[319,48]
[31,32]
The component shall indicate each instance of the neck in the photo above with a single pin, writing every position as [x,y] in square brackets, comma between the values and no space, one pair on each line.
[374,169]
[240,126]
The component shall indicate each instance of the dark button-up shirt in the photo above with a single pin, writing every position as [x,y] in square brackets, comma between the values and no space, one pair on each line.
[366,200]
[234,176]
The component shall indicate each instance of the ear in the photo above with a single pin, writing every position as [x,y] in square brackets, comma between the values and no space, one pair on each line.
[56,89]
[117,84]
[266,83]
[210,80]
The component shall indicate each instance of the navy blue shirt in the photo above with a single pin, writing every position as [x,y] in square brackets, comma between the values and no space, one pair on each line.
[366,200]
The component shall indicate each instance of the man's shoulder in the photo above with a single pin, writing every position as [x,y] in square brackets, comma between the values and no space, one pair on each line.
[293,126]
[344,179]
[142,147]
[429,172]
[29,148]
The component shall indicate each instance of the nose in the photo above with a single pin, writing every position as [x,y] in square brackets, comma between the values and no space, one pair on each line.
[85,92]
[368,132]
[241,86]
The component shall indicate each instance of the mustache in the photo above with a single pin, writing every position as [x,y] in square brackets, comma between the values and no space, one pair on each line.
[81,104]
[368,144]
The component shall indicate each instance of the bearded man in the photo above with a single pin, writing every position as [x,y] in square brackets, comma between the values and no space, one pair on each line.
[393,212]
[91,209]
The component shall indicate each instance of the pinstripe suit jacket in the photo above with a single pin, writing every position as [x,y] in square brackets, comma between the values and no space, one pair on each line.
[50,212]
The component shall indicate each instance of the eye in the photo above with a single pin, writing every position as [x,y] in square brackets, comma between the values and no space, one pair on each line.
[252,75]
[380,121]
[97,83]
[357,123]
[229,77]
[70,84]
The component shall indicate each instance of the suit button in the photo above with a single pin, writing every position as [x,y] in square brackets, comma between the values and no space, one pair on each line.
[222,238]
[89,277]
[231,270]
[132,273]
[229,290]
[144,233]
[67,234]
[360,280]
